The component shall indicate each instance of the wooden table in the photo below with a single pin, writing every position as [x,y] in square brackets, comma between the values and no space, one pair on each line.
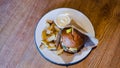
[18,19]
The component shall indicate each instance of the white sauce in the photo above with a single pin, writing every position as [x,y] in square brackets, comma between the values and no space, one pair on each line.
[62,20]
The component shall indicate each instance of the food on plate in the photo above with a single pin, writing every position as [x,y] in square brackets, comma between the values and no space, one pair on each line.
[71,40]
[62,20]
[59,38]
[60,51]
[49,36]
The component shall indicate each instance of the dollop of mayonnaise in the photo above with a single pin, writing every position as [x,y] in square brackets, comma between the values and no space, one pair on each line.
[62,20]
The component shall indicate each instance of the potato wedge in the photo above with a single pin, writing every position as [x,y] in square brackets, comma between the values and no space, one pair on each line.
[42,46]
[47,25]
[56,28]
[51,44]
[60,51]
[44,36]
[51,38]
[49,21]
[51,27]
[52,48]
[49,31]
[45,43]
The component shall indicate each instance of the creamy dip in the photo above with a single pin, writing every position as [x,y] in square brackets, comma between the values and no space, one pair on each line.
[62,20]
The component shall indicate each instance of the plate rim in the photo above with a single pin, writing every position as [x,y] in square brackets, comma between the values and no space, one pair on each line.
[62,64]
[67,64]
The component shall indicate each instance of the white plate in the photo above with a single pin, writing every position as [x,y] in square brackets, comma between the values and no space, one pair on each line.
[79,17]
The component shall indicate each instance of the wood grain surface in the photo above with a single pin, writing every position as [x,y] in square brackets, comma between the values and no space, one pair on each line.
[18,19]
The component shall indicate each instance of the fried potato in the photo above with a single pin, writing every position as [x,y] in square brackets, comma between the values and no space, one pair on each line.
[51,38]
[47,25]
[52,48]
[45,43]
[60,51]
[49,21]
[44,36]
[51,27]
[51,44]
[42,46]
[56,28]
[49,31]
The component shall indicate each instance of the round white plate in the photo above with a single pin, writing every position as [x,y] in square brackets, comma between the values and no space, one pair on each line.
[79,17]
